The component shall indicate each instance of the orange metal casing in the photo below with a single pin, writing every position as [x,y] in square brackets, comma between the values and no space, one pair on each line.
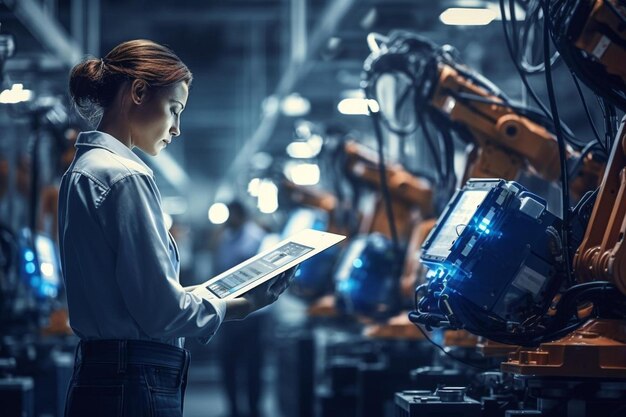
[497,126]
[363,163]
[397,328]
[311,197]
[602,254]
[489,348]
[596,350]
[593,41]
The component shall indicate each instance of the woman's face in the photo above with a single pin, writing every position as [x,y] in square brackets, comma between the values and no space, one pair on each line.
[156,120]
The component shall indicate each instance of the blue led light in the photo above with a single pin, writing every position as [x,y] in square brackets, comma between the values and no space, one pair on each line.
[484,223]
[357,263]
[30,268]
[348,286]
[29,255]
[35,281]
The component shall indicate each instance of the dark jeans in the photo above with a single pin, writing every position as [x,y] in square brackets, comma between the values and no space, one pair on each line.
[129,378]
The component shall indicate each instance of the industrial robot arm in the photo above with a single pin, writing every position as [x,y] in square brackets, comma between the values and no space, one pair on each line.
[506,137]
[530,303]
[310,197]
[591,36]
[362,163]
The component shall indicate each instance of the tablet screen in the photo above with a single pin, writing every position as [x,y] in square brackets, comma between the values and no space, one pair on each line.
[257,269]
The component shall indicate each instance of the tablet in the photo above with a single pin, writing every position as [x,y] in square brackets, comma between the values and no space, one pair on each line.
[270,263]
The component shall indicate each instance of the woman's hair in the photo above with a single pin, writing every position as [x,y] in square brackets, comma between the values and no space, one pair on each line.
[94,83]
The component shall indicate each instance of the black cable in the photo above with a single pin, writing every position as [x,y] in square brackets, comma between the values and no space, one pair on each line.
[584,152]
[448,354]
[382,170]
[587,112]
[559,136]
[612,121]
[432,148]
[371,94]
[516,64]
[531,19]
[605,121]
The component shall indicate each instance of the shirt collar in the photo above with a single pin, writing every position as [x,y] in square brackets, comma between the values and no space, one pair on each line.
[97,139]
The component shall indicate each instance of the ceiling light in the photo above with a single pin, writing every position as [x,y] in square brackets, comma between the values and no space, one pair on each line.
[253,187]
[268,197]
[353,106]
[459,16]
[304,129]
[302,174]
[15,95]
[316,142]
[300,150]
[218,213]
[294,105]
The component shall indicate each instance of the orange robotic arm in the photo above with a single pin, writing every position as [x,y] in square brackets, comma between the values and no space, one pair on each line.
[597,41]
[362,163]
[602,254]
[505,139]
[310,197]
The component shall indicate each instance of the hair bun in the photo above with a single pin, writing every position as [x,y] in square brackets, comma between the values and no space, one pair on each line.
[86,80]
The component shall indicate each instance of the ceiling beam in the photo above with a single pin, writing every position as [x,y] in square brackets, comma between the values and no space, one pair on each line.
[47,30]
[329,21]
[221,14]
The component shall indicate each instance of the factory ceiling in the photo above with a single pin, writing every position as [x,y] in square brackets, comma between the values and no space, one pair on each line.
[246,56]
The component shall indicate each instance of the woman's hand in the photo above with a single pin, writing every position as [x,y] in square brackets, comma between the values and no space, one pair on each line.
[261,296]
[267,293]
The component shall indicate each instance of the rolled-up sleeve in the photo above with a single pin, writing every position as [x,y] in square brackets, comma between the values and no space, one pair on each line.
[145,270]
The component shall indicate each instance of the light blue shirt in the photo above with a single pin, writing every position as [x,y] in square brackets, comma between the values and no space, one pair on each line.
[119,262]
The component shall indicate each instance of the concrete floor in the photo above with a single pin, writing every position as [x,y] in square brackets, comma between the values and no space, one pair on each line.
[206,397]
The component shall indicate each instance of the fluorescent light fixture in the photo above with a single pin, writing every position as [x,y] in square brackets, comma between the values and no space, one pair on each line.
[294,105]
[306,149]
[218,213]
[316,142]
[15,95]
[460,16]
[47,269]
[253,187]
[300,150]
[353,106]
[304,129]
[268,197]
[302,174]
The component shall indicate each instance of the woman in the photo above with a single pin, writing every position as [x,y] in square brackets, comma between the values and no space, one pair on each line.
[120,263]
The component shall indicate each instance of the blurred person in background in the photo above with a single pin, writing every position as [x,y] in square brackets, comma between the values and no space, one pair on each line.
[240,346]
